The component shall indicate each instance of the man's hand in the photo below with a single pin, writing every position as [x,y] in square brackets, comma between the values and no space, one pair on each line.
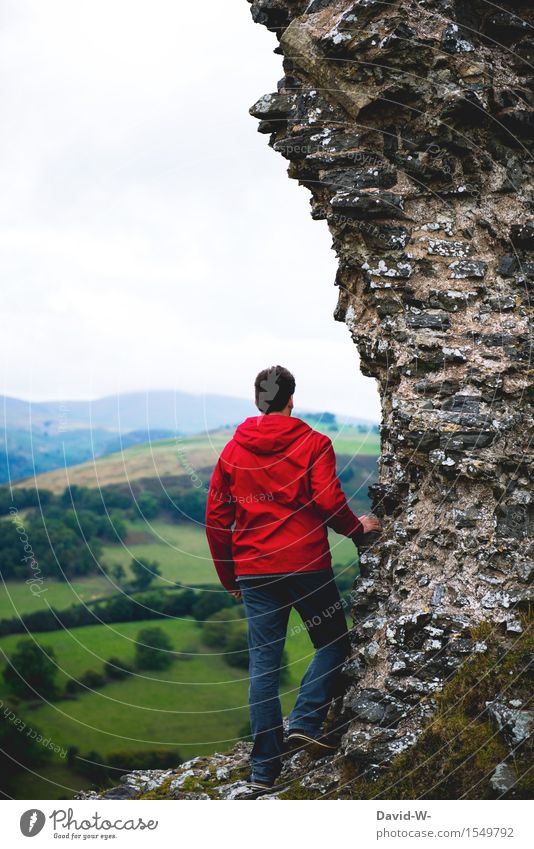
[370,523]
[236,594]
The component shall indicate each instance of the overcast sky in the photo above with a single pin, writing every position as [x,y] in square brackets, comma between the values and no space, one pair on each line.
[149,237]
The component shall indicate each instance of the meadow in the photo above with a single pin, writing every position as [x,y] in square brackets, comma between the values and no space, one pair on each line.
[182,456]
[197,706]
[181,551]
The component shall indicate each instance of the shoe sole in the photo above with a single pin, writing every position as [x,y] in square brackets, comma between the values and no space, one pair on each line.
[298,742]
[257,791]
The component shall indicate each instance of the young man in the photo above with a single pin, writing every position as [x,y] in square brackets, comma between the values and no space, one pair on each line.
[273,494]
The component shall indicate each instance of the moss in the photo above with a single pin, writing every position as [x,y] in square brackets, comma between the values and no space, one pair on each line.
[194,784]
[201,785]
[459,748]
[161,792]
[297,791]
[190,785]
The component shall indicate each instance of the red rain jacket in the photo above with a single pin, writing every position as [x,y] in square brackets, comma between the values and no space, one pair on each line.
[272,495]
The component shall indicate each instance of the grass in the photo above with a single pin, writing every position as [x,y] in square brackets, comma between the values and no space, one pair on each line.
[198,705]
[53,781]
[16,598]
[182,552]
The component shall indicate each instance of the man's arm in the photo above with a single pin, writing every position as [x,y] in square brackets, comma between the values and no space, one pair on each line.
[220,515]
[328,496]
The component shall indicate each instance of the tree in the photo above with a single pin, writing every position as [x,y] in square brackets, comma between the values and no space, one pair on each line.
[116,668]
[60,552]
[117,572]
[82,522]
[148,505]
[144,573]
[218,627]
[18,750]
[30,673]
[153,649]
[10,551]
[113,526]
[209,603]
[227,631]
[236,650]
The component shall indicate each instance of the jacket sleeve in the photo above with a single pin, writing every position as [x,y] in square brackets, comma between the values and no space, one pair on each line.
[328,496]
[220,515]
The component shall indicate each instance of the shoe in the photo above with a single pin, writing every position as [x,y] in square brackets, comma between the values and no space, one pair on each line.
[255,789]
[325,744]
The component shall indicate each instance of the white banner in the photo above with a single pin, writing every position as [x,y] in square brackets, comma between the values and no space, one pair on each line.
[357,824]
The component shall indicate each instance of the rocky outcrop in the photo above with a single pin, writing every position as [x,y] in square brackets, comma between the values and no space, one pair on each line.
[477,745]
[411,125]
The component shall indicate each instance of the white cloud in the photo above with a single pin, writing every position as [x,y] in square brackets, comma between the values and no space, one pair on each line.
[149,237]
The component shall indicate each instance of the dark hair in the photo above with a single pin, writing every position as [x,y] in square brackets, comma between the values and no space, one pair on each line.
[274,387]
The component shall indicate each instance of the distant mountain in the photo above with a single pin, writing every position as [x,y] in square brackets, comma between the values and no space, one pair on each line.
[168,410]
[41,436]
[177,412]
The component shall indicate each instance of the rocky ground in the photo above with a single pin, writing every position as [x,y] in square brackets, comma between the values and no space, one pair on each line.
[477,743]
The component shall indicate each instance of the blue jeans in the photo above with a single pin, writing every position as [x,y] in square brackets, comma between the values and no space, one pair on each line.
[268,602]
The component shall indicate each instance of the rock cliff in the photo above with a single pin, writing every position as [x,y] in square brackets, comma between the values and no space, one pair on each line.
[411,125]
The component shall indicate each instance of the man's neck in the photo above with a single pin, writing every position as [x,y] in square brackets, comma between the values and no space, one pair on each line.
[285,412]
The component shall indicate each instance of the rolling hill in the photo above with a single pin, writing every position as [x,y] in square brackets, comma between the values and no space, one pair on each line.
[185,457]
[38,437]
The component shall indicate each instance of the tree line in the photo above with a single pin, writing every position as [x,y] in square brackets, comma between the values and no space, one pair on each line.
[123,607]
[64,534]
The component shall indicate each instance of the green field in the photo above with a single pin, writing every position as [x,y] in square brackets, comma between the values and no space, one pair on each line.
[180,550]
[198,705]
[183,554]
[16,598]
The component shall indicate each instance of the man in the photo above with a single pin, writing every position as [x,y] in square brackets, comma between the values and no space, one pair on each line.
[273,494]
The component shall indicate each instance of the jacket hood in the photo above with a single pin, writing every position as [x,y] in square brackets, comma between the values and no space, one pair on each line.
[270,434]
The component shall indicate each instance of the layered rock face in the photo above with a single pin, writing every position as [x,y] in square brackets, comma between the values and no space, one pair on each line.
[411,124]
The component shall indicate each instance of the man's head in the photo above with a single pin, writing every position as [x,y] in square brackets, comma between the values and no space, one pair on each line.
[274,388]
